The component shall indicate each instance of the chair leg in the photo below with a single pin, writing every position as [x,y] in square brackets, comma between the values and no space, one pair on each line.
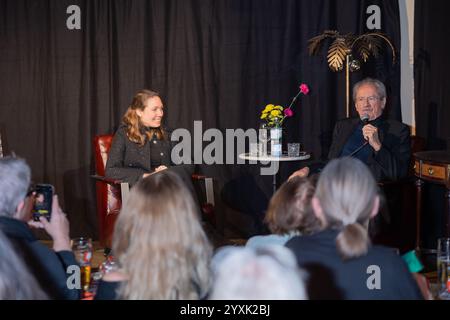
[106,252]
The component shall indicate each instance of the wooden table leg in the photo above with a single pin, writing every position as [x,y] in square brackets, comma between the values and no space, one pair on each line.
[419,184]
[447,210]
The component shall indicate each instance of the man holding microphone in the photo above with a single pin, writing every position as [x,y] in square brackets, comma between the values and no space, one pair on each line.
[383,145]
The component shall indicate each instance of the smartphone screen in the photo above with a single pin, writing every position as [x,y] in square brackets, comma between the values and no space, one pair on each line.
[43,201]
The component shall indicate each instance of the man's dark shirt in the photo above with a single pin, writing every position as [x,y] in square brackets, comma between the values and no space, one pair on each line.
[391,162]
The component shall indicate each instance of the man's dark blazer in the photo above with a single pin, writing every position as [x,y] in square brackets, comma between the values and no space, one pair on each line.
[391,162]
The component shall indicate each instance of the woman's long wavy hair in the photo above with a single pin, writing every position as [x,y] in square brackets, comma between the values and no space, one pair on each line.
[347,193]
[159,242]
[133,123]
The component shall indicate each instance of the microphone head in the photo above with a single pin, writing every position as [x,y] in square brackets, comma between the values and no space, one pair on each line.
[365,118]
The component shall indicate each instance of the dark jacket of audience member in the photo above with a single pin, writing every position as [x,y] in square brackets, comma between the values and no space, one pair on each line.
[16,281]
[47,266]
[330,277]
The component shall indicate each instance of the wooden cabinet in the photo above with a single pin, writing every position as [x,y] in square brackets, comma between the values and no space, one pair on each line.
[432,166]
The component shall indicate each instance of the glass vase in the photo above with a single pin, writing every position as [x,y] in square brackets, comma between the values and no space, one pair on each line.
[275,142]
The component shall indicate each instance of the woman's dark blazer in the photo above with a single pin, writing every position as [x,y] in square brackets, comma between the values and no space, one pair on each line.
[128,161]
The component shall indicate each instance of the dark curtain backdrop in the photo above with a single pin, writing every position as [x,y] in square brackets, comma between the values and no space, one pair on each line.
[218,61]
[431,83]
[431,72]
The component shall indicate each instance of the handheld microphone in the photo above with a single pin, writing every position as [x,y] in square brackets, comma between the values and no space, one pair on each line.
[365,119]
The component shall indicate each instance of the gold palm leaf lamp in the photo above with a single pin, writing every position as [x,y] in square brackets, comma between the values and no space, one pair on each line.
[344,48]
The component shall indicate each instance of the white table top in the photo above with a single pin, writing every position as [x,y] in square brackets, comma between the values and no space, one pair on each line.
[284,157]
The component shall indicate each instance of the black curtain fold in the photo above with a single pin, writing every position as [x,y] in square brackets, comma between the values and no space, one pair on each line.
[218,61]
[431,69]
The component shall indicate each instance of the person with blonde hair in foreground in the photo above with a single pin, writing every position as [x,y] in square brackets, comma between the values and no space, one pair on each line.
[340,259]
[159,244]
[261,273]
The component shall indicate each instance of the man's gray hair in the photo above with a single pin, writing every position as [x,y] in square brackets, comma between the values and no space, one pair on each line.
[15,175]
[380,87]
[262,273]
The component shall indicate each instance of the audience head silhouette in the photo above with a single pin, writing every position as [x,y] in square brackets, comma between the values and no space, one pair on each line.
[159,242]
[262,273]
[290,207]
[14,182]
[346,198]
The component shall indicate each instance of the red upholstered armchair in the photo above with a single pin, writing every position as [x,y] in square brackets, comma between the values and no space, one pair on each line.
[111,193]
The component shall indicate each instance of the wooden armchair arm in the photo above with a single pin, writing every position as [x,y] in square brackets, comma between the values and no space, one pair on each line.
[124,186]
[105,179]
[209,187]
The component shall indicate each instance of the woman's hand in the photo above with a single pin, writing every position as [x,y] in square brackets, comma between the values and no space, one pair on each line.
[160,168]
[303,172]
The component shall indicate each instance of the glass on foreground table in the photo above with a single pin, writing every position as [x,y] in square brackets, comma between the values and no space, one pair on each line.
[82,249]
[108,265]
[443,268]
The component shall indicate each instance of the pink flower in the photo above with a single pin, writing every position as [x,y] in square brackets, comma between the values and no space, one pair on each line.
[288,113]
[304,88]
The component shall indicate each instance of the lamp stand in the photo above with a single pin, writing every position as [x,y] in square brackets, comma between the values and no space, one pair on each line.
[347,85]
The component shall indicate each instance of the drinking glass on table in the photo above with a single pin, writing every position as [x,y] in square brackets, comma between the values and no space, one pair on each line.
[443,268]
[293,149]
[108,265]
[82,249]
[263,138]
[256,149]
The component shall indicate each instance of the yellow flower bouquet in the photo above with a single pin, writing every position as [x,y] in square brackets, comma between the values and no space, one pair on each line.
[273,115]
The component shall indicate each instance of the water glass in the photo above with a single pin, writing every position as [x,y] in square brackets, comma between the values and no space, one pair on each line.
[82,249]
[255,149]
[108,265]
[263,138]
[443,267]
[293,149]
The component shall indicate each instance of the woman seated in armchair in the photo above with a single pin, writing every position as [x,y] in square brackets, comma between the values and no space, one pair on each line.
[142,145]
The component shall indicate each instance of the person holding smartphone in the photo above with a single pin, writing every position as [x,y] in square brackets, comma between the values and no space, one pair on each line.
[48,266]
